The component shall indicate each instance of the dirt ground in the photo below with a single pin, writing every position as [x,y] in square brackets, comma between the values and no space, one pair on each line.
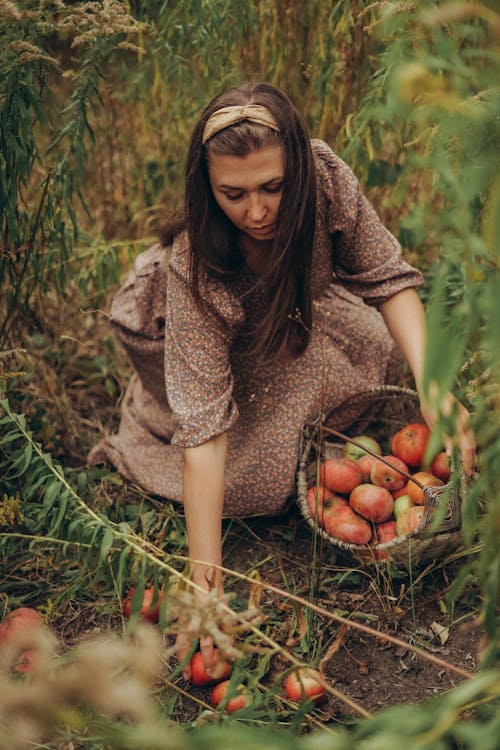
[372,671]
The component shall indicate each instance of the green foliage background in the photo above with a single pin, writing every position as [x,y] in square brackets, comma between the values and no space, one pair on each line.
[97,100]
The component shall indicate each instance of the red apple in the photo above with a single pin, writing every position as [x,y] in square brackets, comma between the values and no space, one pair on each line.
[241,700]
[388,476]
[304,684]
[440,467]
[401,491]
[340,475]
[344,524]
[365,463]
[148,610]
[415,492]
[220,670]
[384,532]
[410,442]
[326,498]
[20,623]
[372,502]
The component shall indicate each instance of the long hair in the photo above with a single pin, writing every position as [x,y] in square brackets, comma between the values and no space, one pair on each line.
[285,325]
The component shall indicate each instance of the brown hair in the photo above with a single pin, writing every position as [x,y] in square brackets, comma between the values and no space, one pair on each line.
[286,323]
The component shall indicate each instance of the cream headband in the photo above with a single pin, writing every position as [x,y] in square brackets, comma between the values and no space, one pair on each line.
[227,116]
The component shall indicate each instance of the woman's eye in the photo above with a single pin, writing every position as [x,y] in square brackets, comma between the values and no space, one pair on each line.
[274,188]
[234,196]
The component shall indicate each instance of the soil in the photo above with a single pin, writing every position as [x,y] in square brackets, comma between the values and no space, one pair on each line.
[412,608]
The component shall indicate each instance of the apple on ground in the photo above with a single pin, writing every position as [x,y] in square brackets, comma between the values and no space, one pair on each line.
[242,699]
[355,452]
[220,669]
[340,475]
[345,525]
[388,476]
[21,629]
[150,607]
[305,683]
[426,479]
[372,502]
[410,443]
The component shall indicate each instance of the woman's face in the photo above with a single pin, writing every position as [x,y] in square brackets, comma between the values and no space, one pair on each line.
[249,188]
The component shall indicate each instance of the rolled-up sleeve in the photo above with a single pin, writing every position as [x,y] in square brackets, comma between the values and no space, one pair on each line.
[366,257]
[198,377]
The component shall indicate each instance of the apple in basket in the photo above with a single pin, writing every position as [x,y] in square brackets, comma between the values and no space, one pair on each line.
[440,467]
[388,476]
[325,500]
[355,452]
[384,532]
[410,443]
[365,463]
[340,475]
[342,523]
[426,479]
[409,520]
[372,502]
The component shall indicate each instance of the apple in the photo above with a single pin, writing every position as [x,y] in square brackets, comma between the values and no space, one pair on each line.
[440,467]
[402,504]
[410,520]
[365,463]
[340,475]
[410,443]
[241,700]
[355,452]
[149,611]
[20,623]
[388,476]
[326,498]
[372,502]
[305,683]
[401,491]
[342,523]
[425,478]
[220,670]
[384,532]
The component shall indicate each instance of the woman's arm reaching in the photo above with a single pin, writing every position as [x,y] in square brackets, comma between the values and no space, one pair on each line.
[203,494]
[404,316]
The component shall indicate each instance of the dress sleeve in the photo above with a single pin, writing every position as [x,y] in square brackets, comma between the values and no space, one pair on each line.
[198,375]
[366,257]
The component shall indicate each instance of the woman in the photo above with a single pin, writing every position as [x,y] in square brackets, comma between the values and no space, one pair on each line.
[284,296]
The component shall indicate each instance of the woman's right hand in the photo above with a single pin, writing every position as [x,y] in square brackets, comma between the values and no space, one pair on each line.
[184,643]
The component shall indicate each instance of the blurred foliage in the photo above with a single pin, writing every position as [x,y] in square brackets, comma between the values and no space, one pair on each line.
[97,100]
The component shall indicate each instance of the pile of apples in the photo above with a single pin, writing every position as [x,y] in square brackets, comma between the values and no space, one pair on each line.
[362,500]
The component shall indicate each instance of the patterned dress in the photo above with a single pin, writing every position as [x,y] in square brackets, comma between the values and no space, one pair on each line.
[192,382]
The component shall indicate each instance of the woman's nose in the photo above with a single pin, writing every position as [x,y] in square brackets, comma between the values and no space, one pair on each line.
[256,209]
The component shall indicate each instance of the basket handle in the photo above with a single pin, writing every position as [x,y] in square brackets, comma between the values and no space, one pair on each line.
[348,439]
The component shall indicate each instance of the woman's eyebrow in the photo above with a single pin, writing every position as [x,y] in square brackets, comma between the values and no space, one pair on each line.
[264,184]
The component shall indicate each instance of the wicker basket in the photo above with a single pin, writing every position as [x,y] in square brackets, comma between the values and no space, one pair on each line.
[381,412]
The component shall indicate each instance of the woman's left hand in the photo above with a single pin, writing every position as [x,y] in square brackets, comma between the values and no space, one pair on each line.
[464,436]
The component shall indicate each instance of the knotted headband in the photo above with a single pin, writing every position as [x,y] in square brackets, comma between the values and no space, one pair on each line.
[227,116]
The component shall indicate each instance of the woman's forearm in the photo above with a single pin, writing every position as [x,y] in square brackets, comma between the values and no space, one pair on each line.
[404,316]
[203,494]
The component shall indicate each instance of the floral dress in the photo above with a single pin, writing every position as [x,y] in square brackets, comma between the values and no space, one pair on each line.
[191,380]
